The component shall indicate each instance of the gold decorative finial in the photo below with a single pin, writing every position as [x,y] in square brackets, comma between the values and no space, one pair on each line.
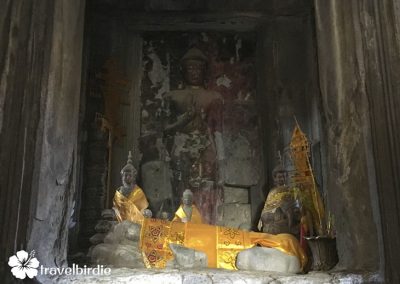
[129,164]
[304,179]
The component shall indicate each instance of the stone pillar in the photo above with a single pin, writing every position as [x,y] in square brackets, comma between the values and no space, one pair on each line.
[346,35]
[40,67]
[381,25]
[359,54]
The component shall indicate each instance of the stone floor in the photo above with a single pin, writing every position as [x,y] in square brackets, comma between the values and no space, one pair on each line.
[211,276]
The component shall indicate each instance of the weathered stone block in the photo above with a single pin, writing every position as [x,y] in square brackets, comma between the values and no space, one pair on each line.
[117,255]
[108,214]
[97,238]
[241,166]
[156,177]
[103,226]
[235,215]
[120,247]
[187,258]
[123,233]
[235,195]
[267,259]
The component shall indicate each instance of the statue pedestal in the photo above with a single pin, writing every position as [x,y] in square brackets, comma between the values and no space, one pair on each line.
[323,251]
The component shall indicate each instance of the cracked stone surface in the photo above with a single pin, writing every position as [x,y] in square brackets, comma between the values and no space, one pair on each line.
[236,195]
[259,259]
[235,215]
[187,258]
[210,276]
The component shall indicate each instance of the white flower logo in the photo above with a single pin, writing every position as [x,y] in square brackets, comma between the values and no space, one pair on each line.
[24,264]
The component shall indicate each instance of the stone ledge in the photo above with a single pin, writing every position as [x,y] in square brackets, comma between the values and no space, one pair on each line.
[211,276]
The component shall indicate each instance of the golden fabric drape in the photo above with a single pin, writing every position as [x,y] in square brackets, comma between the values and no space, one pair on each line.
[221,244]
[130,208]
[277,197]
[196,216]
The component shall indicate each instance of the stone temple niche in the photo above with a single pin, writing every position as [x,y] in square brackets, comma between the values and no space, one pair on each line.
[253,78]
[84,82]
[218,137]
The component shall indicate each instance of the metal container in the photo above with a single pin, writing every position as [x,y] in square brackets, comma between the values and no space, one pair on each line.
[323,251]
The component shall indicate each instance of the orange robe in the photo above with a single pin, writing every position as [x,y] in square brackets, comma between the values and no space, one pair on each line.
[196,216]
[130,208]
[221,244]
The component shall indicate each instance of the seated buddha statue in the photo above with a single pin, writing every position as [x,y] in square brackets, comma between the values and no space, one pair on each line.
[129,201]
[187,211]
[280,213]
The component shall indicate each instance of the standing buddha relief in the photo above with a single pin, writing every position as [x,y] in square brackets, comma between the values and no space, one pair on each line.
[192,134]
[199,123]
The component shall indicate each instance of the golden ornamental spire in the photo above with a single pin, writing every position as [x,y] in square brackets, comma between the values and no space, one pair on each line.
[304,179]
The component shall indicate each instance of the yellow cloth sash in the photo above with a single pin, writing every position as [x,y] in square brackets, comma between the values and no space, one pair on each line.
[196,216]
[130,208]
[221,244]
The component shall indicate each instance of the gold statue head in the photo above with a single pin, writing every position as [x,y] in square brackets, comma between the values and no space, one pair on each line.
[187,197]
[128,172]
[194,65]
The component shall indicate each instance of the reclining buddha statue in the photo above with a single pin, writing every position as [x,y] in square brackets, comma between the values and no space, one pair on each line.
[221,245]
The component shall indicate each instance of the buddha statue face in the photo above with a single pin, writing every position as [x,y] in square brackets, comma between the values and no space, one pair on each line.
[128,178]
[164,215]
[194,72]
[279,178]
[187,199]
[147,213]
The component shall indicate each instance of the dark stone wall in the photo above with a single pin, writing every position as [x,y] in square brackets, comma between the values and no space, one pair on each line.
[383,90]
[91,198]
[106,39]
[19,114]
[287,86]
[40,59]
[284,7]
